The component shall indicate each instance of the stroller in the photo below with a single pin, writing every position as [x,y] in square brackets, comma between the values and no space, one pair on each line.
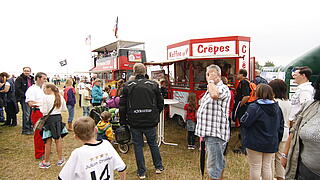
[121,133]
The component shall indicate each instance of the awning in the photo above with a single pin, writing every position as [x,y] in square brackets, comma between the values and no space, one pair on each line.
[191,58]
[100,69]
[113,46]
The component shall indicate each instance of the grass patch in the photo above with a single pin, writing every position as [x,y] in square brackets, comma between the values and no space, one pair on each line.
[18,162]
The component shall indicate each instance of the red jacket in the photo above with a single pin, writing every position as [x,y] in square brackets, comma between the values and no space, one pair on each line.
[190,115]
[231,103]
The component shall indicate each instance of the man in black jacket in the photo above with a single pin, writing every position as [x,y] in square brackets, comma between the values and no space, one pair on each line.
[140,106]
[22,83]
[240,105]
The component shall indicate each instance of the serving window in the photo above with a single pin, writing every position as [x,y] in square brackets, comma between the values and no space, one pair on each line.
[182,72]
[181,75]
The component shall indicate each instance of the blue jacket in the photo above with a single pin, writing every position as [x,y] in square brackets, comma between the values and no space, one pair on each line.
[97,94]
[262,126]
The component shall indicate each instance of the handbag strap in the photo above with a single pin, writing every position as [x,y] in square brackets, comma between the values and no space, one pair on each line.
[47,116]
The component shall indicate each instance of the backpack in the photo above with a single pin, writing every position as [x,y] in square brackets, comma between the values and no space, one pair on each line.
[69,96]
[253,88]
[142,103]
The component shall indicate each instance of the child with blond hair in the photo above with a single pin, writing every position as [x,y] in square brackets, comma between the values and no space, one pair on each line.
[104,127]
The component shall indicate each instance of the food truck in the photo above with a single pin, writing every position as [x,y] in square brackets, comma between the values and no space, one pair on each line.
[114,61]
[191,57]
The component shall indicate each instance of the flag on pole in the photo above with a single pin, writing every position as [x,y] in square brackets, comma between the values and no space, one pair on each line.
[63,62]
[115,29]
[88,40]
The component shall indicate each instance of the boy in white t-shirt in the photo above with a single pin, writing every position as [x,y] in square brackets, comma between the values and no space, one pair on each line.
[95,159]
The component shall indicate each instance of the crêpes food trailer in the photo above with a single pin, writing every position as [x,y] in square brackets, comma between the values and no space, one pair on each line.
[191,57]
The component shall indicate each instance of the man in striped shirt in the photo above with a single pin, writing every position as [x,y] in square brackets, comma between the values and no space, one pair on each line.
[212,121]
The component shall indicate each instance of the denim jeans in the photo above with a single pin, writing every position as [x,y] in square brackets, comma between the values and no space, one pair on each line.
[191,126]
[151,136]
[86,110]
[71,113]
[101,136]
[191,138]
[2,119]
[26,120]
[215,162]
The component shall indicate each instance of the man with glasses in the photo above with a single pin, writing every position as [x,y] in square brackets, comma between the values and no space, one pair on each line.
[305,90]
[22,83]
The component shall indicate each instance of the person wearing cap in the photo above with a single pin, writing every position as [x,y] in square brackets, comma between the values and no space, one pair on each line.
[97,93]
[85,102]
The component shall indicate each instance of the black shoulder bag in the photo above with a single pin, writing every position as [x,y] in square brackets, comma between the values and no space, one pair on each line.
[40,123]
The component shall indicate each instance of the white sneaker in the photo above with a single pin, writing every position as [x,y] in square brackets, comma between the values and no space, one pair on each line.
[159,171]
[61,162]
[142,177]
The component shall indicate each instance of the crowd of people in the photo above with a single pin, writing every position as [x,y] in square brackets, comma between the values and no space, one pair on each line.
[279,137]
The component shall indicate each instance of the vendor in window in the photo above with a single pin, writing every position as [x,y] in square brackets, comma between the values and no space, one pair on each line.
[199,73]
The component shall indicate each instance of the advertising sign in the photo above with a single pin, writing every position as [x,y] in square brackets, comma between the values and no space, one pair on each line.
[106,63]
[214,48]
[178,52]
[134,56]
[244,51]
[182,97]
[157,75]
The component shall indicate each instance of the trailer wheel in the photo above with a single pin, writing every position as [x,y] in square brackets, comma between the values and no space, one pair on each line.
[179,120]
[123,148]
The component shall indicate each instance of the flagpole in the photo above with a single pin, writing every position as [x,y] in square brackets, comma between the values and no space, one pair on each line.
[90,59]
[88,42]
[67,66]
[117,35]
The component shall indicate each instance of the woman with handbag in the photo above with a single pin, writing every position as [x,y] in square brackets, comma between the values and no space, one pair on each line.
[301,155]
[52,106]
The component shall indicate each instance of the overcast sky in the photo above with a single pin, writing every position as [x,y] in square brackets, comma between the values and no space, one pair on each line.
[39,33]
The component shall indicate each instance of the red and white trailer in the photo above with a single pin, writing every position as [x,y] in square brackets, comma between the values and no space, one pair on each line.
[190,59]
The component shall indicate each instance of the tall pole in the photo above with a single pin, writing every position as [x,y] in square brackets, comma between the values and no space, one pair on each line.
[67,70]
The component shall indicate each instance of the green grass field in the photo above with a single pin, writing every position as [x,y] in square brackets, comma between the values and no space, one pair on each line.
[18,162]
